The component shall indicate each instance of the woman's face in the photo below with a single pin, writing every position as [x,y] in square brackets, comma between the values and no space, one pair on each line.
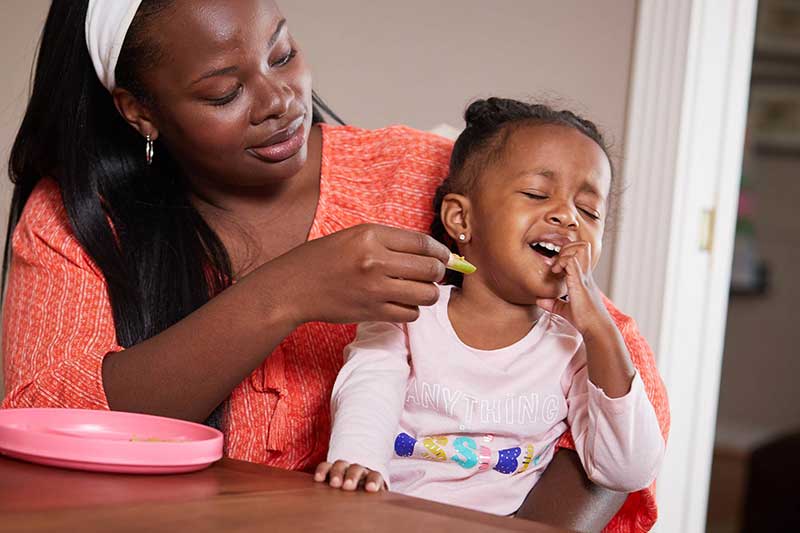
[549,186]
[232,93]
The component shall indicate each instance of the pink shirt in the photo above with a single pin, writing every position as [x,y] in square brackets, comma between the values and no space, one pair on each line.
[475,428]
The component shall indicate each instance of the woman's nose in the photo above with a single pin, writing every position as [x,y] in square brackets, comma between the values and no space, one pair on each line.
[273,100]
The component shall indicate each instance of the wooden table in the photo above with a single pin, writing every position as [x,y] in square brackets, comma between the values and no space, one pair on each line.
[228,496]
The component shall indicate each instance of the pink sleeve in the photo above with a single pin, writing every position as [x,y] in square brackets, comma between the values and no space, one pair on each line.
[618,439]
[368,397]
[57,319]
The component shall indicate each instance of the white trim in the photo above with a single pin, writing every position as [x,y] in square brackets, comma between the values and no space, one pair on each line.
[650,161]
[684,136]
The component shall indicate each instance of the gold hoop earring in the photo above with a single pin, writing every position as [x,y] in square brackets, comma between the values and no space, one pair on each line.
[149,150]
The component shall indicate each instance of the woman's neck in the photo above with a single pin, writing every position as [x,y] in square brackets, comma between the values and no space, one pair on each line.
[483,320]
[258,225]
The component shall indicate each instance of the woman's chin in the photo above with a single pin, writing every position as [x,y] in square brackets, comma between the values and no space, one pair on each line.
[276,171]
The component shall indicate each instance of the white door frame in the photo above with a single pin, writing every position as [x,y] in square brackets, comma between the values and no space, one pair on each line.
[684,140]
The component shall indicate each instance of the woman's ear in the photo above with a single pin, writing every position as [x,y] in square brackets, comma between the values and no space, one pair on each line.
[455,215]
[135,113]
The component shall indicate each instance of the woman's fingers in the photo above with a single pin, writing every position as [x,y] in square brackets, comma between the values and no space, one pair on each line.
[414,267]
[410,293]
[413,242]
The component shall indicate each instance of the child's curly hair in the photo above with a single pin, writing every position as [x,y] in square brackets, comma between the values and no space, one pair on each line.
[489,125]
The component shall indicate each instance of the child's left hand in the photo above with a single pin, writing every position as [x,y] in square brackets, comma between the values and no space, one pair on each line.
[584,307]
[346,476]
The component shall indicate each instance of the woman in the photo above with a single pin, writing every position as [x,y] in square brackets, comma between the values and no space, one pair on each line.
[187,235]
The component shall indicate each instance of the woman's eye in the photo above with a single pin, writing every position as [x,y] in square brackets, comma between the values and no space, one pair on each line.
[285,59]
[228,98]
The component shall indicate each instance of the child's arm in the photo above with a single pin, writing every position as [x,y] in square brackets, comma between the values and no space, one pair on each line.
[366,405]
[618,439]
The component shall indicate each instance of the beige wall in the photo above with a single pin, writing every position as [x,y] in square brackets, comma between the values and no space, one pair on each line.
[20,26]
[418,62]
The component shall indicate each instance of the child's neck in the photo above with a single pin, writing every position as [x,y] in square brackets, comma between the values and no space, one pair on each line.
[484,321]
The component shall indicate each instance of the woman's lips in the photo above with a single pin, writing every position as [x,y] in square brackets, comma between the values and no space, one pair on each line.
[283,149]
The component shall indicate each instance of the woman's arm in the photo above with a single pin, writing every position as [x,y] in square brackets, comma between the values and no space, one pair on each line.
[59,339]
[363,273]
[565,497]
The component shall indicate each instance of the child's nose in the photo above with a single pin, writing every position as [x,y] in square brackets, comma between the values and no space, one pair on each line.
[564,217]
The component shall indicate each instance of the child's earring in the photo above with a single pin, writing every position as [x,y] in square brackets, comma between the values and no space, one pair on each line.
[462,237]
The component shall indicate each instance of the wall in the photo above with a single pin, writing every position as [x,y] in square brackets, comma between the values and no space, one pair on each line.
[20,27]
[419,62]
[759,394]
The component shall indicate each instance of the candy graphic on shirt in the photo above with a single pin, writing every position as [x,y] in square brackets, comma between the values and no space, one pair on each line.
[527,458]
[507,460]
[538,458]
[466,447]
[404,445]
[435,445]
[484,458]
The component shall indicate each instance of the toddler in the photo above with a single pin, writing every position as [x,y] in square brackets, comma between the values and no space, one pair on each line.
[465,405]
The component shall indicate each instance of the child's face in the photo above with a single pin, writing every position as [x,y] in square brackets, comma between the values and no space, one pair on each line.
[551,185]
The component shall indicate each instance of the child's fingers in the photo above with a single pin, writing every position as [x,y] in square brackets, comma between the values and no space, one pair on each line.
[353,477]
[321,473]
[561,262]
[336,474]
[582,250]
[575,274]
[374,482]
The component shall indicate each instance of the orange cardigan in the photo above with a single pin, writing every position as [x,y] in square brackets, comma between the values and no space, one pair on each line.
[58,324]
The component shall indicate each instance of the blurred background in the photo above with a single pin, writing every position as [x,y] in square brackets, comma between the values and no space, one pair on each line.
[757,453]
[420,63]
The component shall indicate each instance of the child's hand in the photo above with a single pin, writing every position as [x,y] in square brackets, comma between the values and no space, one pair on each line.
[348,476]
[584,307]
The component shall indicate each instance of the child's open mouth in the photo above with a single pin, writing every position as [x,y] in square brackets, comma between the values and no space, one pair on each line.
[546,249]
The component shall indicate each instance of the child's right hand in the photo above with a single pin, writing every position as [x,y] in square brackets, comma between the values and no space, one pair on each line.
[346,476]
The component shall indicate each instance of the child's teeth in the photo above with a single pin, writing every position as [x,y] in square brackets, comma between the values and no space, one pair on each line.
[549,246]
[558,249]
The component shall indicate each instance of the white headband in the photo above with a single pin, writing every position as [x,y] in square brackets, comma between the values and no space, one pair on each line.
[107,23]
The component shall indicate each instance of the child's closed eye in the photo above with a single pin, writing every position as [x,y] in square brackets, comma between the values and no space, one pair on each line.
[535,196]
[589,213]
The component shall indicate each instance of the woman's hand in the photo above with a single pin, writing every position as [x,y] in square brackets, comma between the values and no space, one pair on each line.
[346,476]
[584,306]
[365,273]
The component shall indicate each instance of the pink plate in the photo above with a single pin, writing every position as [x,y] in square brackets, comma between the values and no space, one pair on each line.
[108,441]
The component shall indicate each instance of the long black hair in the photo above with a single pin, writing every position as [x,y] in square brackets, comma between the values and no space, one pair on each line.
[159,257]
[489,124]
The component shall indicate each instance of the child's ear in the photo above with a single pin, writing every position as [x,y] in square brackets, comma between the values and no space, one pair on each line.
[455,215]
